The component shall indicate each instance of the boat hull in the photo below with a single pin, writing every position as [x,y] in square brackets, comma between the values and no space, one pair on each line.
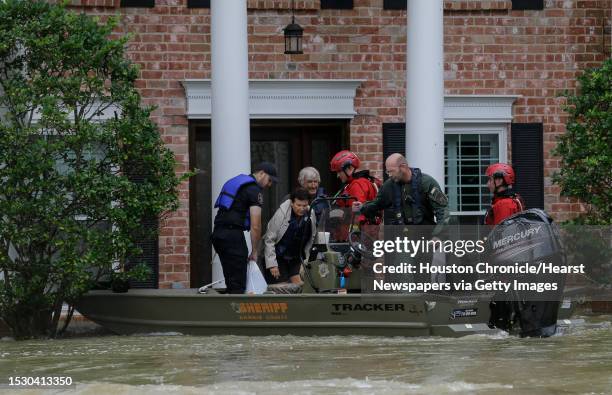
[187,312]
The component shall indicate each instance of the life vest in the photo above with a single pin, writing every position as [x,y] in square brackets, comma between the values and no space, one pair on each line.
[228,193]
[364,188]
[504,204]
[415,191]
[376,182]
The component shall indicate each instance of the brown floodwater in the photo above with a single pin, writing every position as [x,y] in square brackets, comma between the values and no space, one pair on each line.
[576,362]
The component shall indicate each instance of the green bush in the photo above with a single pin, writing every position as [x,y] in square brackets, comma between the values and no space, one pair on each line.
[81,163]
[586,147]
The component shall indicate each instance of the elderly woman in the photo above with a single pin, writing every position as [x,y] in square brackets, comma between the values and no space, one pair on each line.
[288,239]
[310,179]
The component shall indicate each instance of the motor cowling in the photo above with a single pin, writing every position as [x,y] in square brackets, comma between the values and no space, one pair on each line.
[527,237]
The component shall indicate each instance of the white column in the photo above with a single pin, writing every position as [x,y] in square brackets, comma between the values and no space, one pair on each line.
[230,139]
[425,87]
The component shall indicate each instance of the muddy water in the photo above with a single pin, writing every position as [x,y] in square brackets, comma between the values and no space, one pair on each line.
[577,362]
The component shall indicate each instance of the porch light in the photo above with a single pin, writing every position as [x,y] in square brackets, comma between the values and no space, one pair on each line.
[293,35]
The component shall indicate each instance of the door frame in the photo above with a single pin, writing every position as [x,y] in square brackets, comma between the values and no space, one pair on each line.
[301,133]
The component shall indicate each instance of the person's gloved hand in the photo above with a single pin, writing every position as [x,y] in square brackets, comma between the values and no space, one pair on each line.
[369,214]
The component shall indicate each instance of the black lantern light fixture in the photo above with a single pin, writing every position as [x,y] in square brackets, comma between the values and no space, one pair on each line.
[293,35]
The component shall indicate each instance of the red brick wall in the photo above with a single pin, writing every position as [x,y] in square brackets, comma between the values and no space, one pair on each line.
[489,49]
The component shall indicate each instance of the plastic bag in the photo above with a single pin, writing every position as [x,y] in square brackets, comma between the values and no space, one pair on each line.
[256,284]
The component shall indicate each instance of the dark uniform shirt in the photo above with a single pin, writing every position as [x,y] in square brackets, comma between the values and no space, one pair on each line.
[433,203]
[248,195]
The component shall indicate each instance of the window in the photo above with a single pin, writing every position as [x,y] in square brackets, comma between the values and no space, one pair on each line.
[146,236]
[395,4]
[527,4]
[198,3]
[138,3]
[516,4]
[337,4]
[467,154]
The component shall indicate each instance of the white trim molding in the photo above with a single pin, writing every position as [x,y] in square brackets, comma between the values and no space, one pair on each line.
[478,108]
[282,98]
[297,99]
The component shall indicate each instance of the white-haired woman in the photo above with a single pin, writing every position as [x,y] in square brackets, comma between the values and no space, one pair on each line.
[310,179]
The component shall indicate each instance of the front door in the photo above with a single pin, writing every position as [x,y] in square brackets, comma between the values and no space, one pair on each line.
[290,144]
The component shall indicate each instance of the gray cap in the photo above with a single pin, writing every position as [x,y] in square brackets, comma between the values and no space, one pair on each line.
[267,168]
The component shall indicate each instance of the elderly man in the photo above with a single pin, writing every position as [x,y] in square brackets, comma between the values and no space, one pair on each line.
[412,197]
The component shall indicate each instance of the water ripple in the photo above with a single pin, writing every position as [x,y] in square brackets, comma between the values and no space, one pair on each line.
[478,364]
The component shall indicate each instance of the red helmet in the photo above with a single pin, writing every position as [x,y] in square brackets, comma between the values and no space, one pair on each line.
[342,160]
[501,170]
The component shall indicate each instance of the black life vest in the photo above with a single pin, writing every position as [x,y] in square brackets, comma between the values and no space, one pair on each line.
[228,193]
[415,186]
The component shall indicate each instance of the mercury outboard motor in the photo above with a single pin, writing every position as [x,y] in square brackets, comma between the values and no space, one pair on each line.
[529,237]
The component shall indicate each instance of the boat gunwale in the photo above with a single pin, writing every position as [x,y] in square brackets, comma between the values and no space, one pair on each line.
[171,293]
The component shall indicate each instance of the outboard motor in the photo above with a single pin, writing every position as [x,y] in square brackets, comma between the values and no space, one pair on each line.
[527,237]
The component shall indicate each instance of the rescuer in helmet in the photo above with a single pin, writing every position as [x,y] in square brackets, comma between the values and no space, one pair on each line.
[505,202]
[358,184]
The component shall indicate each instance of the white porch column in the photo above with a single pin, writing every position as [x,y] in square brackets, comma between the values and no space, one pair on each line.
[230,139]
[425,87]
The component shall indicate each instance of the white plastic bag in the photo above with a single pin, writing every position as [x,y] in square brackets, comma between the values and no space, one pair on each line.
[256,284]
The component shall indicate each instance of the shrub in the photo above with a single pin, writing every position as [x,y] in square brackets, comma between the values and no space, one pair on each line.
[81,162]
